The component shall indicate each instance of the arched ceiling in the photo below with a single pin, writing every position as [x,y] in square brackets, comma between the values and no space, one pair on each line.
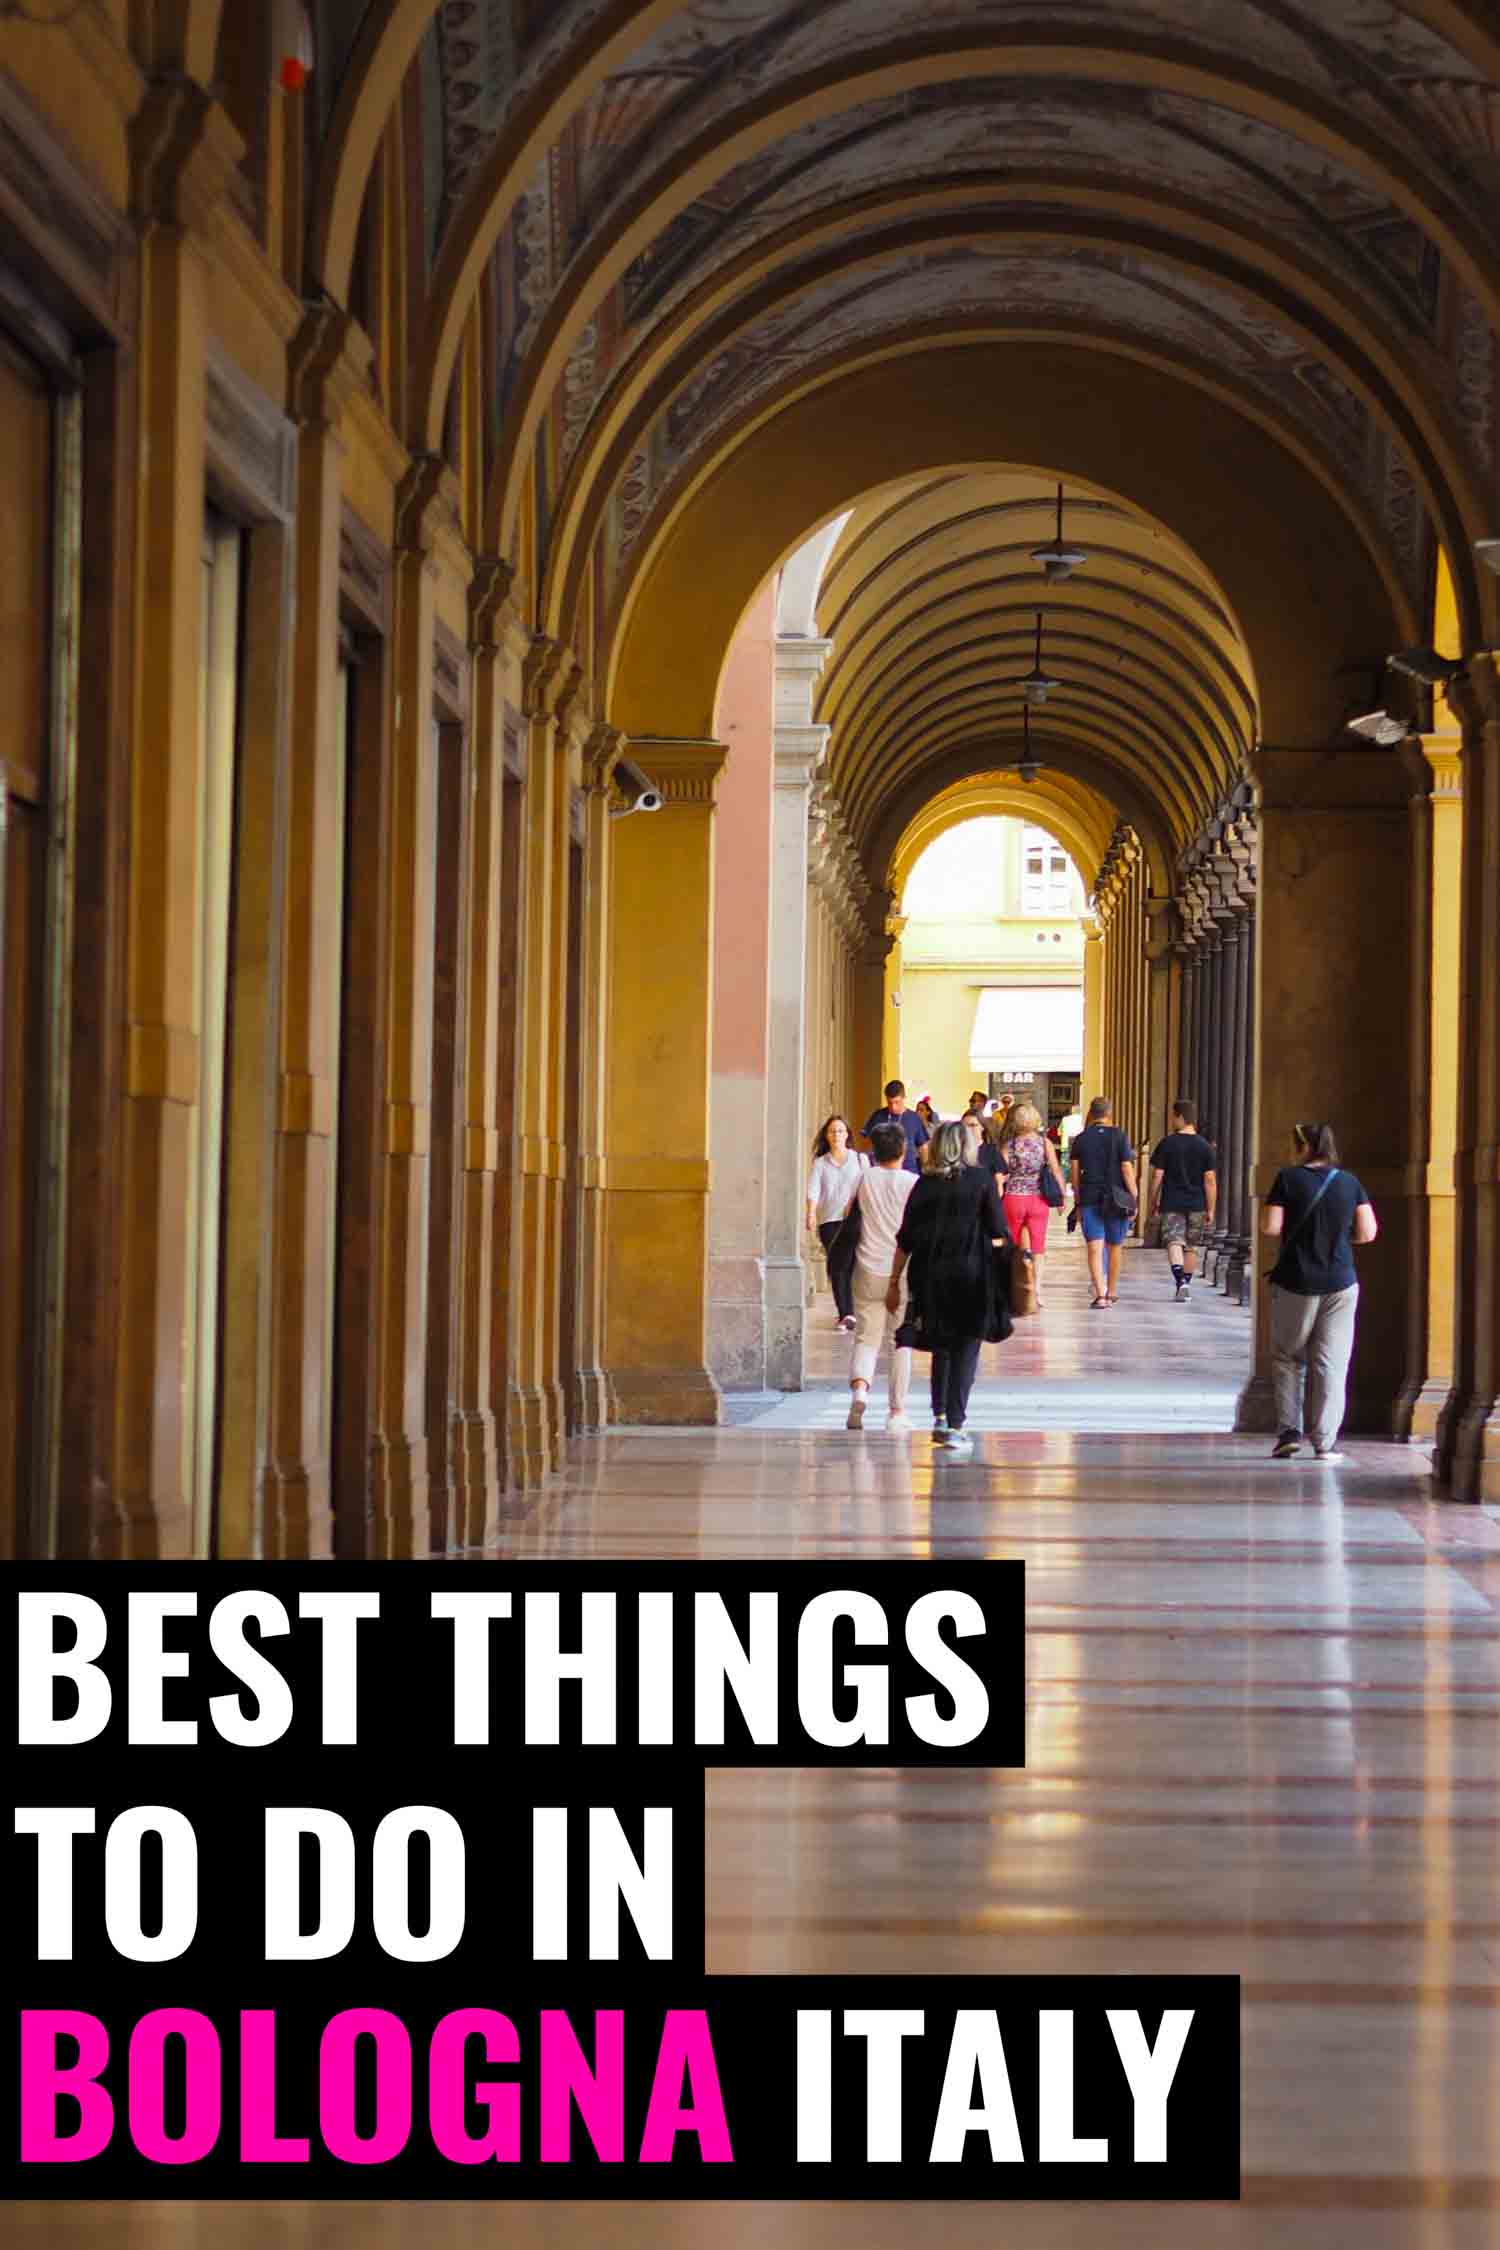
[1081,821]
[666,209]
[930,598]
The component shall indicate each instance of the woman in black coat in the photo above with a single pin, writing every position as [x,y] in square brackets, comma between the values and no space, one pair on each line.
[958,1294]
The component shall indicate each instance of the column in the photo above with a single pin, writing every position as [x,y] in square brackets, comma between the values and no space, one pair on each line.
[1093,1010]
[798,748]
[549,685]
[1444,824]
[1163,975]
[742,946]
[185,151]
[497,642]
[1234,1175]
[1335,891]
[890,1034]
[657,1177]
[599,758]
[1468,1444]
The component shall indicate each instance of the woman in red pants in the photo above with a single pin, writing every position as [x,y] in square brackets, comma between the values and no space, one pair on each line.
[1028,1154]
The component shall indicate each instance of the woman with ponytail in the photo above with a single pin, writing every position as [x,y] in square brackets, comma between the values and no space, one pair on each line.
[1317,1211]
[959,1298]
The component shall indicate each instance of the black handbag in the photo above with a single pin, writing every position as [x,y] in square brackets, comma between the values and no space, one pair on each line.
[1117,1196]
[1052,1187]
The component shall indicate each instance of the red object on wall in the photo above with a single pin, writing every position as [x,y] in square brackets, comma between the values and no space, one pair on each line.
[293,74]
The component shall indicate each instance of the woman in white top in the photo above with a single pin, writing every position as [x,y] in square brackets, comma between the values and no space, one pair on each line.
[831,1186]
[882,1204]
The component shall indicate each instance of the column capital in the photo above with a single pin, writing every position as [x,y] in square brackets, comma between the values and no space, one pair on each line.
[797,753]
[798,667]
[494,620]
[685,771]
[546,676]
[426,503]
[602,752]
[1444,756]
[328,363]
[184,153]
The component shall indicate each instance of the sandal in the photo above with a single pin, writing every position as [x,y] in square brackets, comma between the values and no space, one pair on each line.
[1098,1304]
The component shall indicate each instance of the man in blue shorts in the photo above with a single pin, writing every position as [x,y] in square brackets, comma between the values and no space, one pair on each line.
[1102,1166]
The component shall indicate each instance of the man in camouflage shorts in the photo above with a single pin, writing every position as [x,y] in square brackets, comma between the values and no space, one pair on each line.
[1184,1191]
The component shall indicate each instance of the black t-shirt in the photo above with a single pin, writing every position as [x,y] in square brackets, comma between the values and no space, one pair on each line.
[1098,1151]
[1317,1257]
[1182,1160]
[911,1125]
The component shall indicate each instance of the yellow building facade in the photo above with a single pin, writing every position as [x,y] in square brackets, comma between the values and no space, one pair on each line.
[403,424]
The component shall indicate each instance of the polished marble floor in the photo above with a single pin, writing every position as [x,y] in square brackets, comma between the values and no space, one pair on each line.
[1264,1710]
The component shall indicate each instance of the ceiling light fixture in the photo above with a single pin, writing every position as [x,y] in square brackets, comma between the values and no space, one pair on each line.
[1380,728]
[1426,665]
[1058,560]
[1028,766]
[1037,685]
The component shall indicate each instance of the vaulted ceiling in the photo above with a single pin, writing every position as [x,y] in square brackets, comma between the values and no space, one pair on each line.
[679,220]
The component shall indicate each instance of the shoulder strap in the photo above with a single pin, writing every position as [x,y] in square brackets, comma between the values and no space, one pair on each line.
[1323,1186]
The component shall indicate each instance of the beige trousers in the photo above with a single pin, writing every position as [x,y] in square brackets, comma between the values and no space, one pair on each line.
[874,1326]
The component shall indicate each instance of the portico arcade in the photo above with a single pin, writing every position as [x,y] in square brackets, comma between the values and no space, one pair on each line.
[394,456]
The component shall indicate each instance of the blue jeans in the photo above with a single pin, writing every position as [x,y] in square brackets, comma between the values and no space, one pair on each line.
[1100,1225]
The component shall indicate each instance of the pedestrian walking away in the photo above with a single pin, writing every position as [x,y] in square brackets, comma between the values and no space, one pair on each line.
[959,1295]
[1030,1161]
[837,1169]
[1318,1212]
[881,1201]
[1184,1195]
[1102,1164]
[896,1112]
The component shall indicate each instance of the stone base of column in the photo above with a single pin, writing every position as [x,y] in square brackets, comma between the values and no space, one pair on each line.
[593,1399]
[737,1323]
[1257,1406]
[296,1518]
[1469,1450]
[786,1323]
[1422,1408]
[474,1462]
[400,1523]
[531,1456]
[1234,1270]
[664,1397]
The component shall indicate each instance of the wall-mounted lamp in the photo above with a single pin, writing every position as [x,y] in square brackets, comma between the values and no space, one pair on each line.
[1380,728]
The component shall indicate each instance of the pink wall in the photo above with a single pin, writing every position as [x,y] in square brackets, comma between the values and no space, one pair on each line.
[742,908]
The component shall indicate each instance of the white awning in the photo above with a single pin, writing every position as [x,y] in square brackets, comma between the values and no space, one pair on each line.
[1028,1027]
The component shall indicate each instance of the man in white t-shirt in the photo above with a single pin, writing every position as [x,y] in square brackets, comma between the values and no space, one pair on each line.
[882,1205]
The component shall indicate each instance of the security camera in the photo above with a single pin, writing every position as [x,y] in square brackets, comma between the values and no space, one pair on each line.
[1379,727]
[1426,665]
[638,790]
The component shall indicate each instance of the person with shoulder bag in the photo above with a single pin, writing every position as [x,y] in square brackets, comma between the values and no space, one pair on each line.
[1033,1189]
[951,1231]
[1317,1212]
[1102,1164]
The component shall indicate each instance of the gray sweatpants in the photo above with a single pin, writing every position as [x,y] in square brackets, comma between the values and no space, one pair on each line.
[1311,1338]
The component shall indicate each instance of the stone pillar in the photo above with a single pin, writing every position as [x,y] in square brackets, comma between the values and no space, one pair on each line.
[1093,1011]
[656,1196]
[599,758]
[1468,1439]
[742,939]
[891,1027]
[1443,840]
[1234,1177]
[497,641]
[549,684]
[798,748]
[1335,891]
[1163,974]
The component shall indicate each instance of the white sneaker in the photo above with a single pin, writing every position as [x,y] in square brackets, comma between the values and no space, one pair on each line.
[1331,1455]
[898,1426]
[855,1419]
[939,1430]
[958,1441]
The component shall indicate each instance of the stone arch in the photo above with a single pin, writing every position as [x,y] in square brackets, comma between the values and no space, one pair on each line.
[1304,300]
[1166,64]
[1270,532]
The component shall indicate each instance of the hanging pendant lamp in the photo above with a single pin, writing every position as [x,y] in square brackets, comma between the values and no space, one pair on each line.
[1037,685]
[1028,766]
[1058,560]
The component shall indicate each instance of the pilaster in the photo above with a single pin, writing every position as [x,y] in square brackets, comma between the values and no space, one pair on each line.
[1438,840]
[657,1176]
[1337,924]
[600,755]
[1468,1438]
[183,153]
